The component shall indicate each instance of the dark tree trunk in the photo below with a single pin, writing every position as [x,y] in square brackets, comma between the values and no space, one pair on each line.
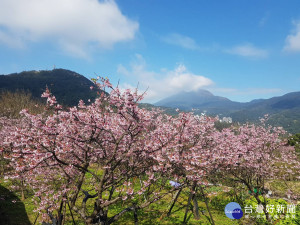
[187,208]
[207,205]
[174,200]
[196,208]
[191,196]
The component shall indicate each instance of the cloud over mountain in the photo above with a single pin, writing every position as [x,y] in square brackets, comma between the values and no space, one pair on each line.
[164,82]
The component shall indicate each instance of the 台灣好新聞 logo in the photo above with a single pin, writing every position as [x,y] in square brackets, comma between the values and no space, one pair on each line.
[233,210]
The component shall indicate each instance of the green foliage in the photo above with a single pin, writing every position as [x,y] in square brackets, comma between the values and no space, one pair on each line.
[295,141]
[220,201]
[288,119]
[221,125]
[167,110]
[67,86]
[11,103]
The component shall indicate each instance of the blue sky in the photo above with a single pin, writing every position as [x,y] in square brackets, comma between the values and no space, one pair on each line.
[239,49]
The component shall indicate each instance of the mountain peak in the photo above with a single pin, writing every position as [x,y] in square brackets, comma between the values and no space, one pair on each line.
[201,92]
[200,99]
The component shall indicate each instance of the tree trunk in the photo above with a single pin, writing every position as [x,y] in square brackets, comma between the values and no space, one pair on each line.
[22,191]
[207,206]
[187,208]
[71,213]
[174,201]
[259,202]
[136,221]
[189,201]
[196,208]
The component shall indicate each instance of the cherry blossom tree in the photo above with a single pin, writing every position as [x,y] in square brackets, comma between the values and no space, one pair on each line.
[91,158]
[187,155]
[106,150]
[253,155]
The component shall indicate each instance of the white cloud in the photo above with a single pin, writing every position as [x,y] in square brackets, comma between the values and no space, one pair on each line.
[292,41]
[163,83]
[181,41]
[11,41]
[74,24]
[248,50]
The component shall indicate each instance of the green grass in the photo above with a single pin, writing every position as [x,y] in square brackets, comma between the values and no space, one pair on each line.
[14,211]
[279,187]
[22,212]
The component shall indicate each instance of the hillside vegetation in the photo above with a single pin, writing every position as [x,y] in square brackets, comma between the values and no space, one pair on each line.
[283,110]
[67,86]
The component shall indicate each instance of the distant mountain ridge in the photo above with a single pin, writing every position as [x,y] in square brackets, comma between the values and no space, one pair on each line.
[67,86]
[205,100]
[201,100]
[286,107]
[189,100]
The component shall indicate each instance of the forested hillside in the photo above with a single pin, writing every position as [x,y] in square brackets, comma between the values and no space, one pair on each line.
[67,86]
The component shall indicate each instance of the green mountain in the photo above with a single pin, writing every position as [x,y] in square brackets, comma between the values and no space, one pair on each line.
[67,86]
[167,110]
[283,110]
[201,100]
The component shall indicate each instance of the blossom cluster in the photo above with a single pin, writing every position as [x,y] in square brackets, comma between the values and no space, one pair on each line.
[123,151]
